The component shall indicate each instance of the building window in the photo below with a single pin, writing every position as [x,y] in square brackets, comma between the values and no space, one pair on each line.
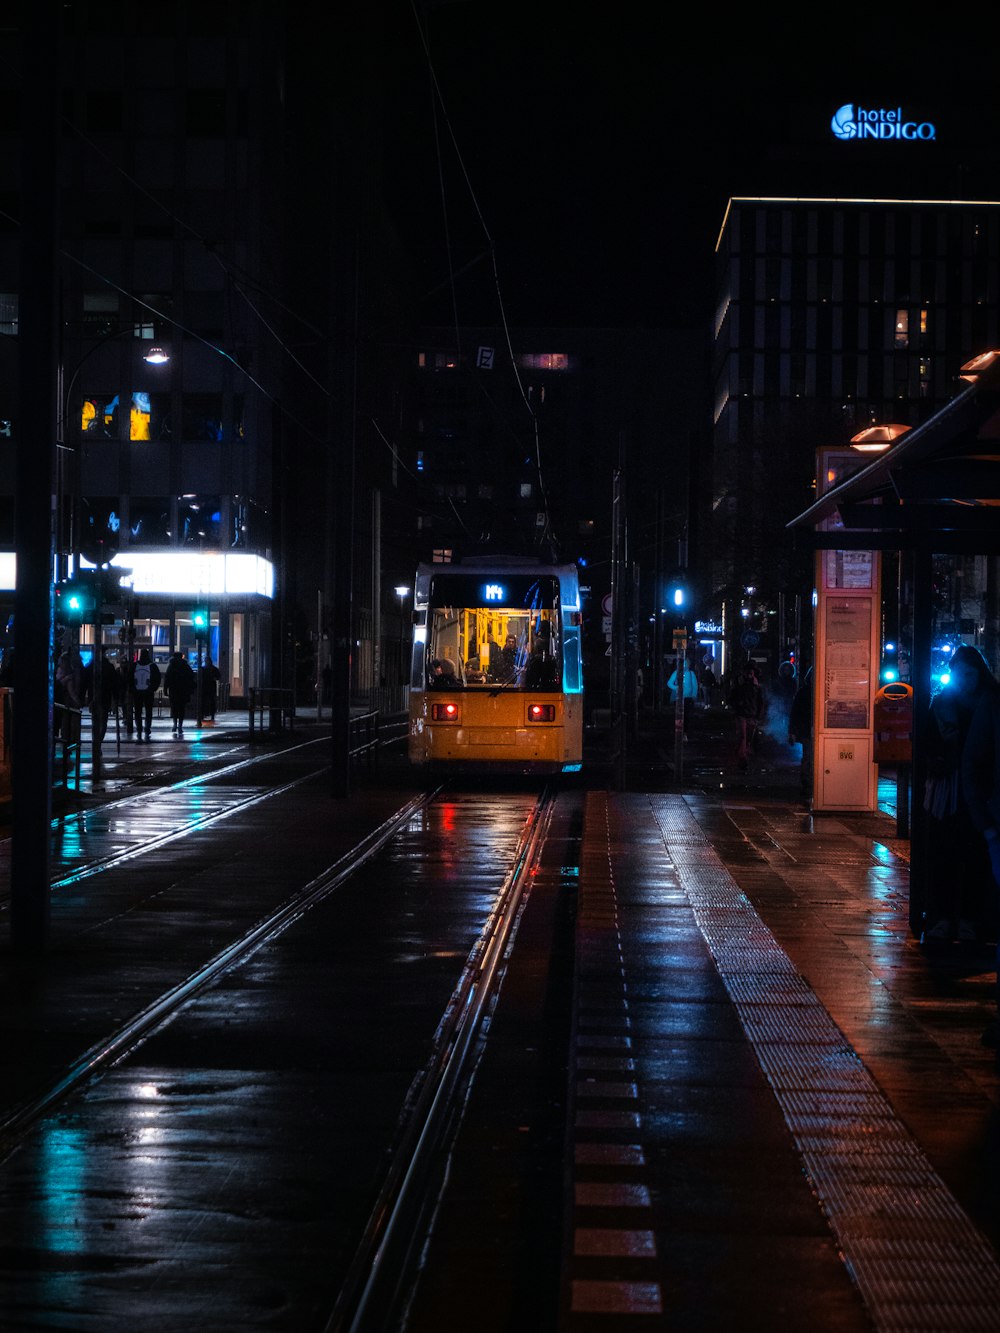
[99,416]
[8,314]
[527,490]
[147,323]
[199,520]
[148,416]
[100,537]
[902,328]
[202,416]
[149,521]
[442,556]
[544,361]
[100,312]
[205,111]
[103,111]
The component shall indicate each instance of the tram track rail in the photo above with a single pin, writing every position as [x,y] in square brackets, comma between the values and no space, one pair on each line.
[14,1125]
[383,1272]
[138,799]
[394,1231]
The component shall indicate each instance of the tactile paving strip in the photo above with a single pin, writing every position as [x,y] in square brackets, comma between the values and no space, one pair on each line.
[612,1264]
[919,1261]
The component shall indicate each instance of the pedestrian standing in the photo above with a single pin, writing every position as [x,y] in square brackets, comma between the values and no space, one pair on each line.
[179,684]
[102,687]
[145,682]
[210,678]
[747,702]
[959,880]
[980,770]
[69,686]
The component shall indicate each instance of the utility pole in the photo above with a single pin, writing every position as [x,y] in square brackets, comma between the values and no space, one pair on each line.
[35,474]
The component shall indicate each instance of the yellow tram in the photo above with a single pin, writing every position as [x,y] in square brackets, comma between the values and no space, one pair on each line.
[496,676]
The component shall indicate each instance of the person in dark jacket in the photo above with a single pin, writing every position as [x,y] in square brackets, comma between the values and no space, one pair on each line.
[145,681]
[179,685]
[102,687]
[747,702]
[210,677]
[980,777]
[959,882]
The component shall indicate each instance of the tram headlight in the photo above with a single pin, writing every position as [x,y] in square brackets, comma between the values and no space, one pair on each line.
[541,712]
[447,712]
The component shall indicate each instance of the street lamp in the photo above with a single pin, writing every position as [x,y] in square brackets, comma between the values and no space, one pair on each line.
[402,592]
[69,543]
[68,535]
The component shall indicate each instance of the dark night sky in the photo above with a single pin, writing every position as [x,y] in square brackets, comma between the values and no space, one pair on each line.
[602,145]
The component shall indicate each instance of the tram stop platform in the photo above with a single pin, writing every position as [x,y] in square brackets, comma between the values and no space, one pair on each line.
[777,1110]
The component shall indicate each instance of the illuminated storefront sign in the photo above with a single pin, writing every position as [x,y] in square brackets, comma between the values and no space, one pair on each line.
[180,573]
[858,122]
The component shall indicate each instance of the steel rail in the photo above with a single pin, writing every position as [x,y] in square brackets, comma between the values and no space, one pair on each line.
[130,1035]
[384,1259]
[199,779]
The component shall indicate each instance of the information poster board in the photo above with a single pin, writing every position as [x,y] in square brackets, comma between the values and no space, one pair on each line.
[847,666]
[845,776]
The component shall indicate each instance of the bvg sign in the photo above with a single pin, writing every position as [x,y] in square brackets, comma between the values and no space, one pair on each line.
[858,122]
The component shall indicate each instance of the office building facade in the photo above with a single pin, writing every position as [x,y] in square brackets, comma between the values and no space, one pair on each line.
[832,315]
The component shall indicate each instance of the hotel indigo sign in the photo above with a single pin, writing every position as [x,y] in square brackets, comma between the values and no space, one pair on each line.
[851,122]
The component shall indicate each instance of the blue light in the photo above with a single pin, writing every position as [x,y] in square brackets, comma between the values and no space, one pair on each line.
[889,673]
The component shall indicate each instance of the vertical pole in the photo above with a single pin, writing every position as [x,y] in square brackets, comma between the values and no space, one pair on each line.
[319,654]
[920,679]
[618,621]
[378,670]
[35,472]
[680,648]
[97,688]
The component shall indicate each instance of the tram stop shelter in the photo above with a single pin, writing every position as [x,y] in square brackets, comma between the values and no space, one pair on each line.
[934,490]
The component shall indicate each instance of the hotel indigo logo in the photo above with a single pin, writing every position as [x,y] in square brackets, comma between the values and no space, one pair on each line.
[851,122]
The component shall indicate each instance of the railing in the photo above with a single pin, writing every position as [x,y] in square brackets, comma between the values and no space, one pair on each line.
[363,738]
[279,703]
[66,747]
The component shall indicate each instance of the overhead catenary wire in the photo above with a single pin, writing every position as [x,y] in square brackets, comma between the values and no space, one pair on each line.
[493,259]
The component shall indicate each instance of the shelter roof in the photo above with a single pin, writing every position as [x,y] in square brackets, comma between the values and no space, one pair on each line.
[936,487]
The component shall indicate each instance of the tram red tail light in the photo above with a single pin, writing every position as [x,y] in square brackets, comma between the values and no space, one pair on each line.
[449,712]
[541,712]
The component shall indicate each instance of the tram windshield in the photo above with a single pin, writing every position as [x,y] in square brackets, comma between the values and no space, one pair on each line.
[497,633]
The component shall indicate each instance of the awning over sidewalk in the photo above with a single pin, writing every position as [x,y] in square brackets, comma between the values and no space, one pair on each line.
[935,489]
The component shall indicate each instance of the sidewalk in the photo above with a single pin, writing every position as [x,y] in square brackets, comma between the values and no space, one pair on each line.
[708,759]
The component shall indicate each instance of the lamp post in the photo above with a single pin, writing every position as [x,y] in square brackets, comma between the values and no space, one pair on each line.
[402,592]
[69,537]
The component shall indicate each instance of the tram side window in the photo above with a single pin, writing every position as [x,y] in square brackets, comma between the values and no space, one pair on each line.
[444,652]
